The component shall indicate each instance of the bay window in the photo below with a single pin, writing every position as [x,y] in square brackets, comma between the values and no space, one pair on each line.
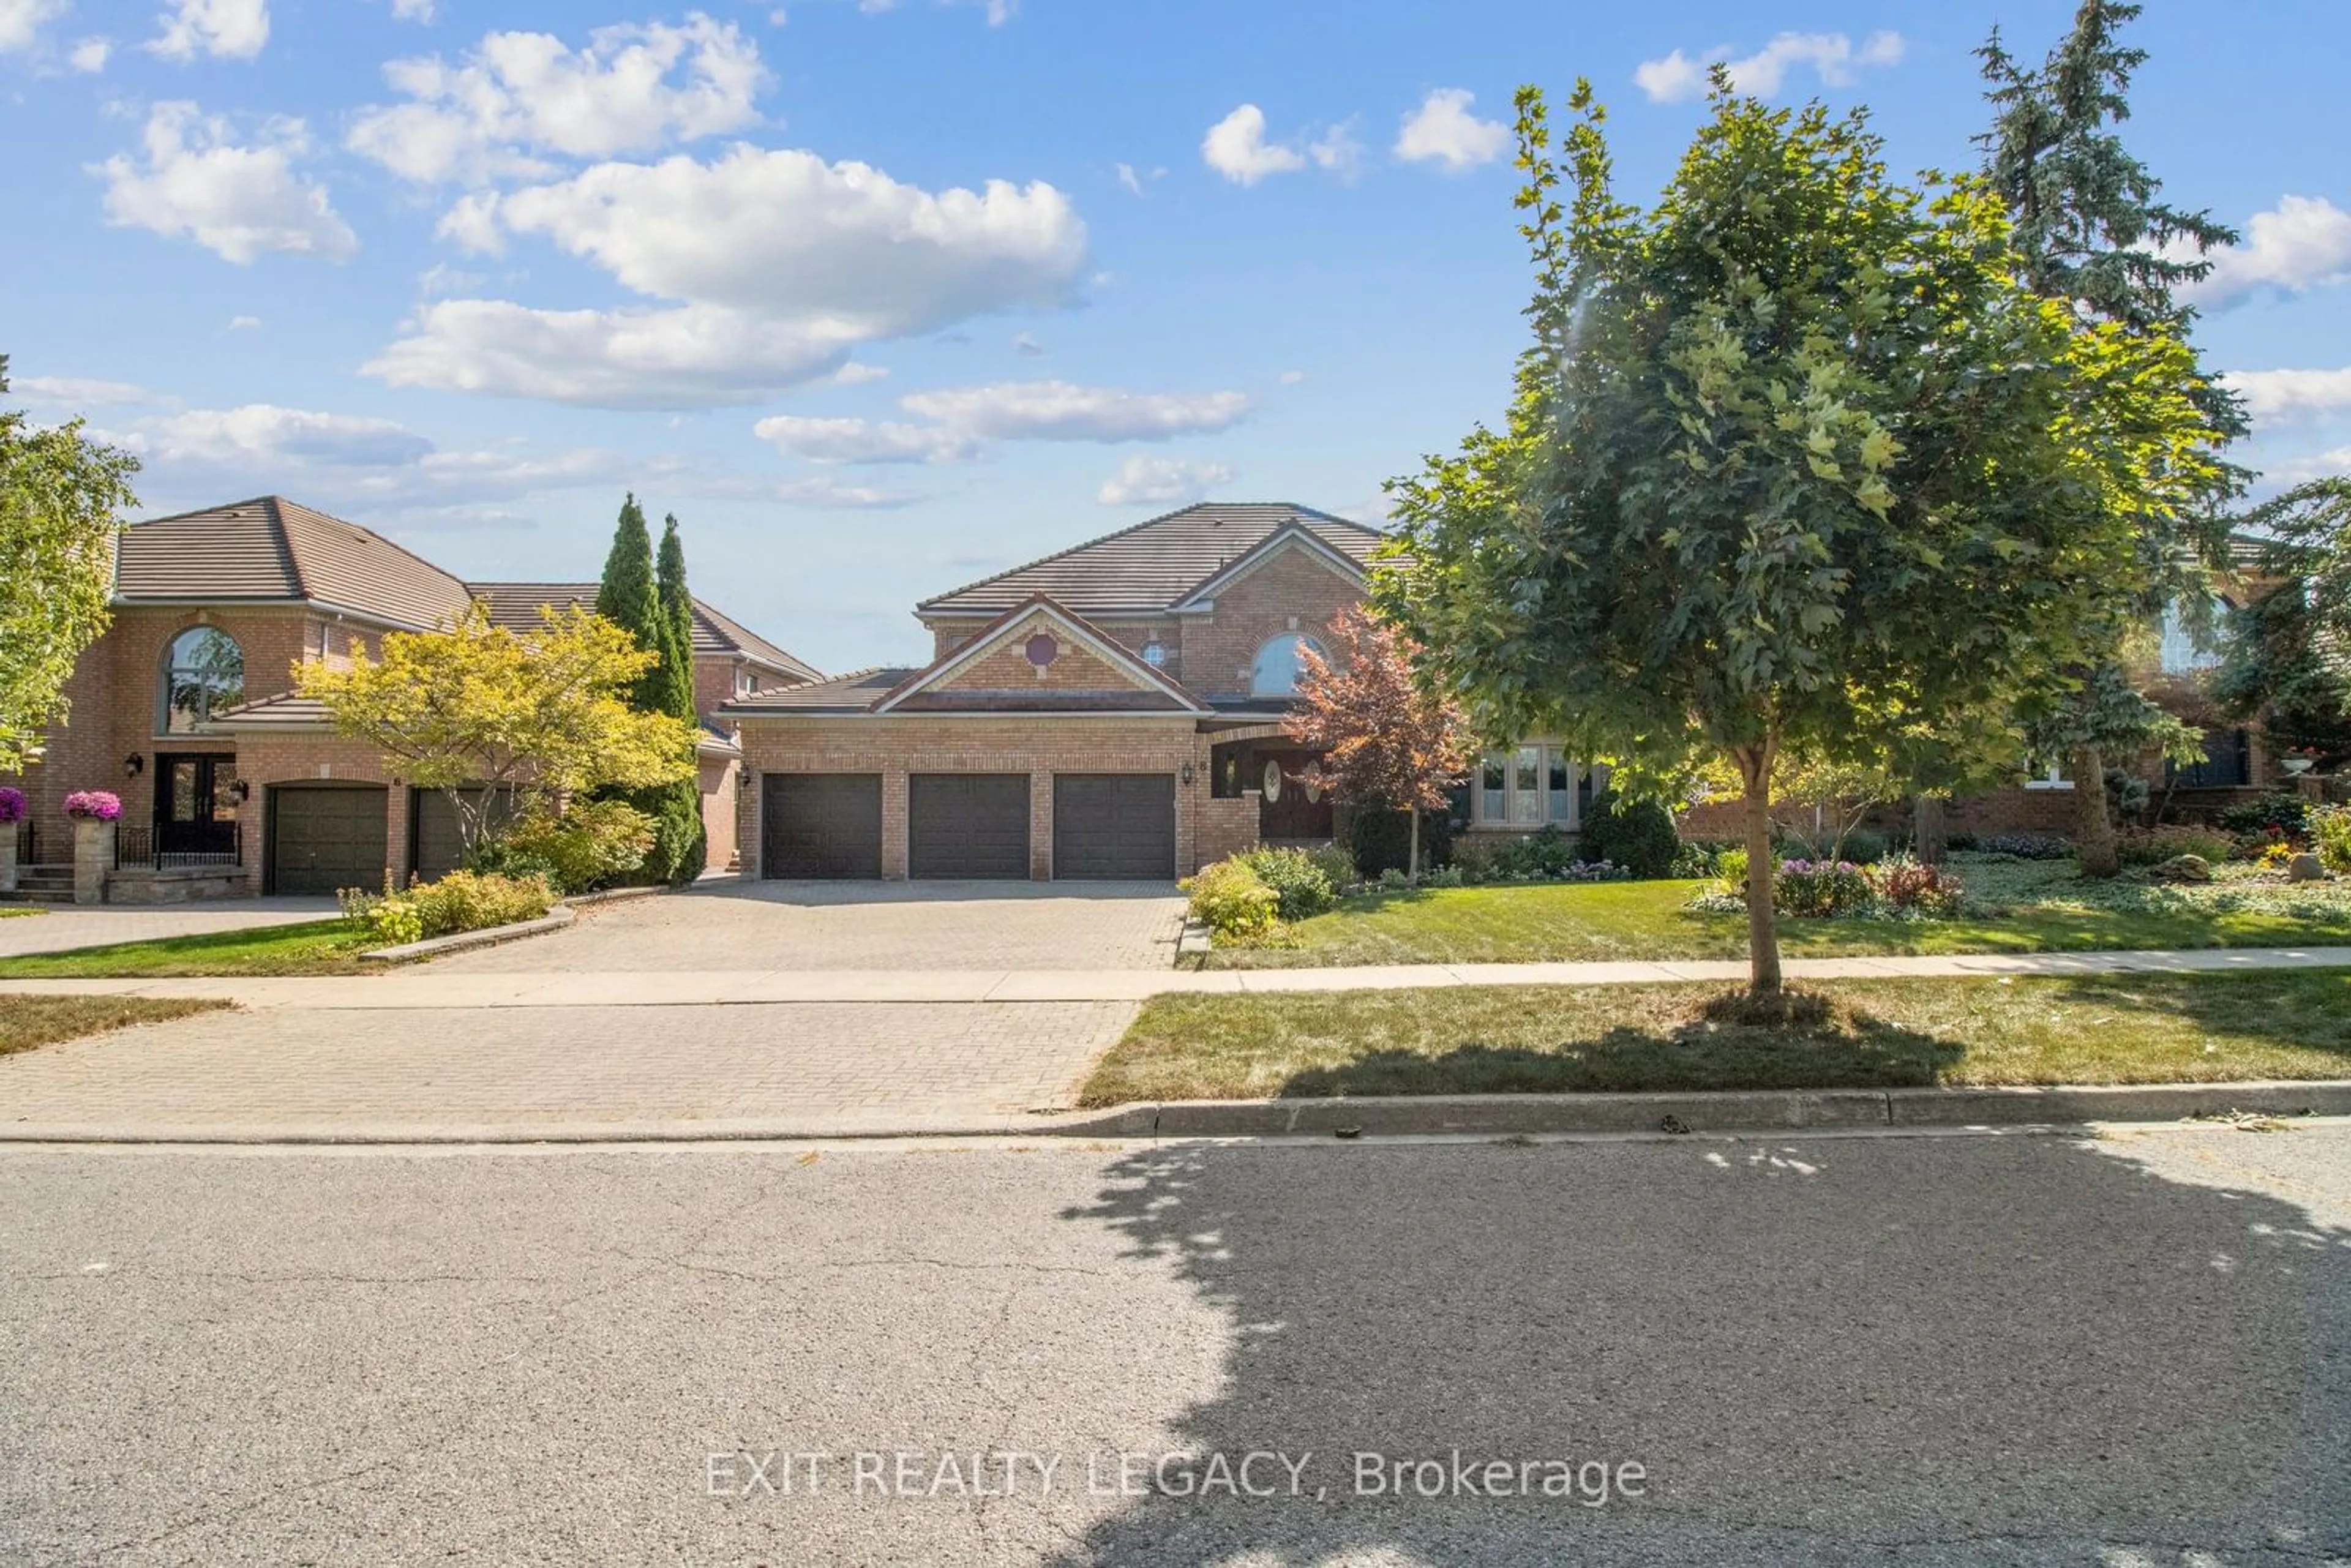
[1529,786]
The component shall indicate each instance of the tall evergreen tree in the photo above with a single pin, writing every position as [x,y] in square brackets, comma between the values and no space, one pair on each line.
[2094,232]
[630,596]
[626,596]
[680,819]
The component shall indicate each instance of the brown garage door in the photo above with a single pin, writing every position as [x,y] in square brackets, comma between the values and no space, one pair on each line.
[968,825]
[439,847]
[323,837]
[1114,826]
[820,825]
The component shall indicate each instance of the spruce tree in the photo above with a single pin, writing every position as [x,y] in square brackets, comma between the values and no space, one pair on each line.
[681,815]
[2094,232]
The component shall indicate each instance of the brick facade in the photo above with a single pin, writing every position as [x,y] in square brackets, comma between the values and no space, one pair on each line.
[1295,589]
[1005,665]
[265,759]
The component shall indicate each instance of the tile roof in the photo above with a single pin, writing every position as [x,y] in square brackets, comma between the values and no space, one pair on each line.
[286,708]
[517,604]
[852,693]
[1155,564]
[271,548]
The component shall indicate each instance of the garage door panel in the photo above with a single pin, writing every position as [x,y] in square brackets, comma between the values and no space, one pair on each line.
[322,840]
[971,825]
[440,845]
[824,825]
[1114,827]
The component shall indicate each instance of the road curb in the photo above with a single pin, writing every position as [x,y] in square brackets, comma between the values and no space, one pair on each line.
[555,919]
[1466,1116]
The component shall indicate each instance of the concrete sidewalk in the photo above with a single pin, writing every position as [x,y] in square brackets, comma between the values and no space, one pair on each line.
[436,989]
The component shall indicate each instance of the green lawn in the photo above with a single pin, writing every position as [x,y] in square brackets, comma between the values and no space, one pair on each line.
[1483,1039]
[2016,907]
[27,1022]
[312,948]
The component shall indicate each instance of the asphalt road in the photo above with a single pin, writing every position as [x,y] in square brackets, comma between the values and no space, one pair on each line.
[2127,1352]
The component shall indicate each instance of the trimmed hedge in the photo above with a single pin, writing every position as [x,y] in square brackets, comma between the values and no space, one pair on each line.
[1635,834]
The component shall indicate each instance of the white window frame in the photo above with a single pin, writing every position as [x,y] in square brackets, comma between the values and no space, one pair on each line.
[1516,813]
[2054,778]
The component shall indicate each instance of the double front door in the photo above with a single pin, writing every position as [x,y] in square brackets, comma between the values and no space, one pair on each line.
[195,804]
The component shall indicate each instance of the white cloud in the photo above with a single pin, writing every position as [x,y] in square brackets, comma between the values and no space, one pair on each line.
[1236,148]
[857,373]
[227,29]
[517,99]
[863,441]
[21,22]
[2304,242]
[243,324]
[259,433]
[1161,482]
[1831,56]
[784,263]
[441,281]
[1337,151]
[90,56]
[2318,465]
[80,392]
[237,202]
[2285,394]
[425,11]
[1059,411]
[1292,378]
[690,356]
[1443,130]
[1129,178]
[1025,345]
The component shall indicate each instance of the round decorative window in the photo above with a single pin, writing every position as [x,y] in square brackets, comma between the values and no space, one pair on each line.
[1154,655]
[1042,650]
[1273,782]
[1314,782]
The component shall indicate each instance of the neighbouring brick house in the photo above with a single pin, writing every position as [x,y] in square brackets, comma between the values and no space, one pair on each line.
[229,783]
[1115,711]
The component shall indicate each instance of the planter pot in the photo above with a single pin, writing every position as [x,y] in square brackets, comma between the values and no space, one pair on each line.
[7,857]
[2295,767]
[93,859]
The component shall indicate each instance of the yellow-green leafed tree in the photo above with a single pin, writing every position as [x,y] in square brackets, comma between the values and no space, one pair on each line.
[471,707]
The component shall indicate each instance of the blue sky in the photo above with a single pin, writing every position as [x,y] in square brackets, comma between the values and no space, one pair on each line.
[880,298]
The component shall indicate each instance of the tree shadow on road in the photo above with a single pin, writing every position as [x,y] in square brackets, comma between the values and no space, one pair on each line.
[1828,1351]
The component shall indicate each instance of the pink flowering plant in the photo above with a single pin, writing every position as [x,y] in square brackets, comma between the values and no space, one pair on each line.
[94,805]
[11,805]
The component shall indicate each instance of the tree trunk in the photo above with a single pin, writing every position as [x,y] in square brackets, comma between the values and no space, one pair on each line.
[1762,917]
[1929,836]
[2093,831]
[1411,857]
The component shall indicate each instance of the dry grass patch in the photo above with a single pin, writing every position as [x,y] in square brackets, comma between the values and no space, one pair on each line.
[1875,1034]
[27,1023]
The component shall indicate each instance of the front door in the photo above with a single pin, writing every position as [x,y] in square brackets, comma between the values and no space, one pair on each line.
[196,805]
[1294,805]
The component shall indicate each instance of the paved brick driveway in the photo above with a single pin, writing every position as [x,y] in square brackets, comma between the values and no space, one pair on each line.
[859,925]
[72,925]
[841,1068]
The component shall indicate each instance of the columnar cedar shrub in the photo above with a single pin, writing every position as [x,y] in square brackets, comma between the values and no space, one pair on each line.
[1799,465]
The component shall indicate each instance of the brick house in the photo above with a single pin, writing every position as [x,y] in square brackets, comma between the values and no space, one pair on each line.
[230,784]
[1115,711]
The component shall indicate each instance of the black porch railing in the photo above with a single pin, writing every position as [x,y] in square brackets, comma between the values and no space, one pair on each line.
[29,843]
[134,850]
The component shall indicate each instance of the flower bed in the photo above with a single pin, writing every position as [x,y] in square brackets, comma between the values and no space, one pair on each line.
[93,806]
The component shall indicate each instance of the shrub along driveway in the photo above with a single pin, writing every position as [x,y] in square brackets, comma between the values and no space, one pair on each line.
[908,925]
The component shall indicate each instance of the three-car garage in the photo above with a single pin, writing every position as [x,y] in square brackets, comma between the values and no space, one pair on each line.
[970,826]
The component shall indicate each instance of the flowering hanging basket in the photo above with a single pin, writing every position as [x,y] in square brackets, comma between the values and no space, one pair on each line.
[11,805]
[93,806]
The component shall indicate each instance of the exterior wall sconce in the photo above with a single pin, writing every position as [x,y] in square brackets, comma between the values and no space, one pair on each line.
[241,789]
[134,766]
[1187,773]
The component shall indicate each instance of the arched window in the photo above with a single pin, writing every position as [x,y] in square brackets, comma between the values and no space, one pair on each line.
[203,674]
[1279,664]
